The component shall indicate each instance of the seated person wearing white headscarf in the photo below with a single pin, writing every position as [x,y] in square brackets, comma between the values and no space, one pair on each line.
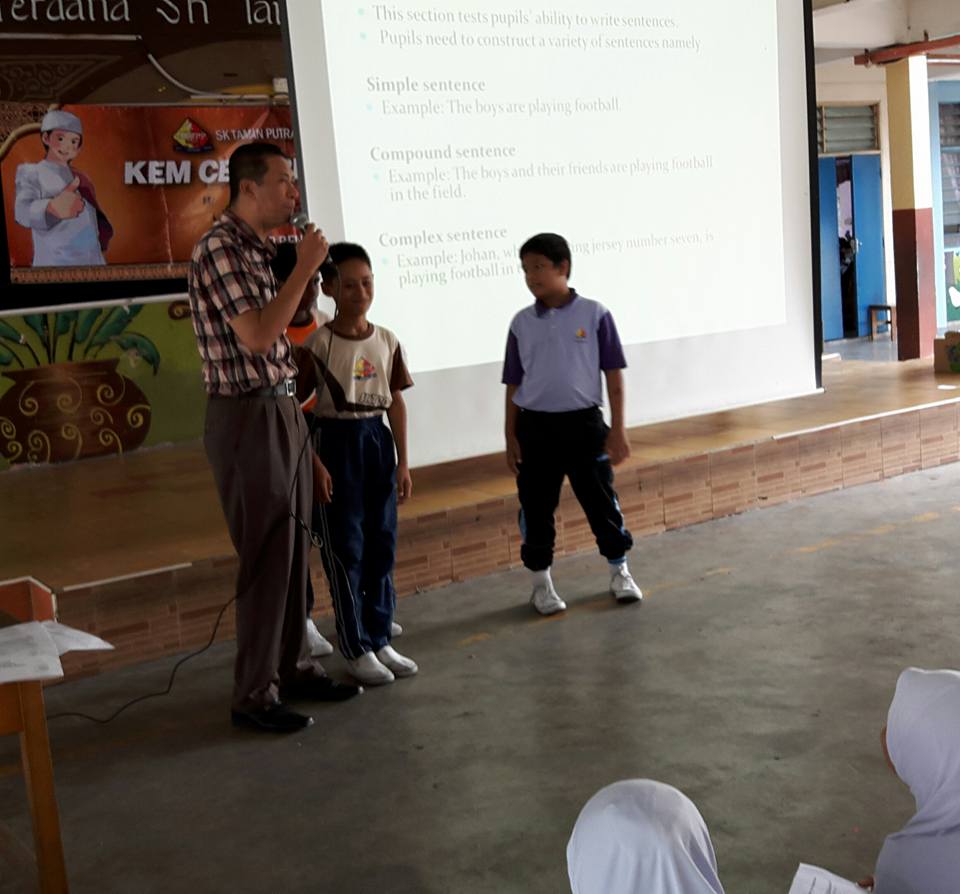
[922,744]
[641,837]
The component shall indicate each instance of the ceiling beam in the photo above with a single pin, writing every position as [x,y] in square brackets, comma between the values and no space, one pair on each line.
[902,51]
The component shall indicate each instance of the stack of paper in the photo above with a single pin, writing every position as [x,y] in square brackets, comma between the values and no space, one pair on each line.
[32,651]
[813,880]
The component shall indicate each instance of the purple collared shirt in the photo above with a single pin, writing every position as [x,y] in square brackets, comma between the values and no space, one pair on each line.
[555,355]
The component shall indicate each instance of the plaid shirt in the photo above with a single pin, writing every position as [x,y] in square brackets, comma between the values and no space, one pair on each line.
[229,275]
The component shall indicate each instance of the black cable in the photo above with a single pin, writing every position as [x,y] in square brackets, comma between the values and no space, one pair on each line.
[323,541]
[321,385]
[320,543]
[143,698]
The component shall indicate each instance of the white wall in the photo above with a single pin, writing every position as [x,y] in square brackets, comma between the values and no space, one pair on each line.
[846,83]
[939,18]
[869,24]
[861,23]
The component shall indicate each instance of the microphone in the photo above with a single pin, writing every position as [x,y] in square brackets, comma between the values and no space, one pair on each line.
[301,220]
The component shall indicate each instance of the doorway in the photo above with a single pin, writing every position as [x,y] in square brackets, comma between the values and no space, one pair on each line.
[851,243]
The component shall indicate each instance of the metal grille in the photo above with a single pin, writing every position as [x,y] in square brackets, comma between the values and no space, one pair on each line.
[845,129]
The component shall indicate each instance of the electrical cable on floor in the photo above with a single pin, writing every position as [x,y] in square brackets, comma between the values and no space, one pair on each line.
[149,695]
[321,542]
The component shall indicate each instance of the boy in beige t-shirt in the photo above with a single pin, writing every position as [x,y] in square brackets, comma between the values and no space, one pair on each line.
[360,465]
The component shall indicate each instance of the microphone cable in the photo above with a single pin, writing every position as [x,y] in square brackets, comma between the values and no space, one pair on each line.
[321,542]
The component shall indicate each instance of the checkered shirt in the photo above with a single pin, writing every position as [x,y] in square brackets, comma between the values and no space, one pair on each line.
[229,275]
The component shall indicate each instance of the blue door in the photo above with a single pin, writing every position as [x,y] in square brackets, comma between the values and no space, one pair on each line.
[868,231]
[831,302]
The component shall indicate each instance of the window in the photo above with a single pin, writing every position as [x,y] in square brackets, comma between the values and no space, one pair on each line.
[845,129]
[950,169]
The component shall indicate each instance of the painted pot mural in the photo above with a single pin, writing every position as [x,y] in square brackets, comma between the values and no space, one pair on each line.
[78,406]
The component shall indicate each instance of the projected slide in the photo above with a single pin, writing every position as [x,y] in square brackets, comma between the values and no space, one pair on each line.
[646,133]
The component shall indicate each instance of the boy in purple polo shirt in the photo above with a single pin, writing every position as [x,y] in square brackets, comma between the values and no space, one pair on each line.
[556,350]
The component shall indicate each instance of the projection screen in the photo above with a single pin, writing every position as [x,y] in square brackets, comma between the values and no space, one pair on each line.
[668,142]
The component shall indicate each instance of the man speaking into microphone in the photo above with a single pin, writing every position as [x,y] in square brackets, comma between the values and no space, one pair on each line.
[254,434]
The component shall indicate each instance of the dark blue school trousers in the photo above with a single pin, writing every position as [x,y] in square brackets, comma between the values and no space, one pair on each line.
[359,529]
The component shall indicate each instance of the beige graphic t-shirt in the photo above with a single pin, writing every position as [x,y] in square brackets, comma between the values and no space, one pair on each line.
[361,374]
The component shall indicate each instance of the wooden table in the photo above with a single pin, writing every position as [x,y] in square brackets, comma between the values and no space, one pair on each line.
[22,712]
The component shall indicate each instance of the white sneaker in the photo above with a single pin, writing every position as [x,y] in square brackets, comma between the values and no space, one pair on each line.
[624,588]
[399,664]
[368,669]
[546,600]
[319,646]
[395,629]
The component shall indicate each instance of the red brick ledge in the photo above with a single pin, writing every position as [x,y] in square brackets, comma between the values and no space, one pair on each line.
[172,610]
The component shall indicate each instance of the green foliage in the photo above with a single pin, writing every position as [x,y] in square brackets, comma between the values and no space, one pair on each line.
[38,323]
[114,324]
[134,341]
[7,331]
[65,320]
[90,332]
[85,323]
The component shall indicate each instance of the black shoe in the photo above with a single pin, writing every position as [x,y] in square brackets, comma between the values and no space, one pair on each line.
[320,689]
[275,718]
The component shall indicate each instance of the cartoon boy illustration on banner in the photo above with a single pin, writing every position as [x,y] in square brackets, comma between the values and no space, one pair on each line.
[58,203]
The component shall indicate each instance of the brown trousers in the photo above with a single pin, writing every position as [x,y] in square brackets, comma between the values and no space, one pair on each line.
[254,445]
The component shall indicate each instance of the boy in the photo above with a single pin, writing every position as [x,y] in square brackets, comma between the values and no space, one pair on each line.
[556,350]
[307,320]
[360,468]
[58,203]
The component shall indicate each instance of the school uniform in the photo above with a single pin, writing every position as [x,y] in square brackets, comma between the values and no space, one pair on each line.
[640,836]
[357,377]
[923,740]
[555,357]
[299,333]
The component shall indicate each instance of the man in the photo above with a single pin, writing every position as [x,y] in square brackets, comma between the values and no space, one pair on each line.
[255,434]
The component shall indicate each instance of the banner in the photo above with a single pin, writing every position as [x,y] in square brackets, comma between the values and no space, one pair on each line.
[164,19]
[114,193]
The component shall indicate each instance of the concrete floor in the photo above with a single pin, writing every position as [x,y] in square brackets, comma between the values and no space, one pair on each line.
[756,677]
[880,350]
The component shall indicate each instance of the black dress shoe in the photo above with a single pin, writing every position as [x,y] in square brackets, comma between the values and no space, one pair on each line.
[275,718]
[319,689]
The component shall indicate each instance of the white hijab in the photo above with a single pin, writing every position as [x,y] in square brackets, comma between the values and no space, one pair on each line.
[923,738]
[641,837]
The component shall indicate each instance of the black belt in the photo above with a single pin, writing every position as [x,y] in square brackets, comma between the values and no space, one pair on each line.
[287,388]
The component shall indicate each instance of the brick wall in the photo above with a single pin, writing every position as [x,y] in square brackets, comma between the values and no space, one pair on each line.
[174,611]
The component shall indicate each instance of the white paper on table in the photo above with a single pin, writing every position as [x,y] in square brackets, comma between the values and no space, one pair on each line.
[814,880]
[69,639]
[28,652]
